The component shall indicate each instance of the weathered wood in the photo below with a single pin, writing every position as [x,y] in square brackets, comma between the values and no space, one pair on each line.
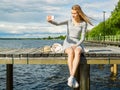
[55,61]
[98,54]
[84,77]
[9,77]
[114,71]
[60,58]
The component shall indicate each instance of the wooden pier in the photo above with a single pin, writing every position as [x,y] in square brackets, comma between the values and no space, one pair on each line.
[96,54]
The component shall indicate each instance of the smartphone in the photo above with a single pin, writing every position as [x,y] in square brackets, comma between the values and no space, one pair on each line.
[52,17]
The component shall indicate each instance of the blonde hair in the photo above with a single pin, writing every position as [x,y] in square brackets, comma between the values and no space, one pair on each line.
[81,14]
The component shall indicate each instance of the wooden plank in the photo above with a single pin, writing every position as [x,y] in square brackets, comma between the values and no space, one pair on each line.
[37,50]
[95,61]
[52,61]
[95,49]
[34,61]
[6,61]
[5,50]
[55,61]
[60,55]
[115,61]
[96,55]
[23,51]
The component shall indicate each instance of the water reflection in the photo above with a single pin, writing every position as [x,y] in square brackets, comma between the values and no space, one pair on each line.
[103,79]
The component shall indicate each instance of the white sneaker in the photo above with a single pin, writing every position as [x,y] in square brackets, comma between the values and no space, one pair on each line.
[72,82]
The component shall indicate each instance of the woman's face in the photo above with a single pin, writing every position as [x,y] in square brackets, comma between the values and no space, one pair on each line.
[74,14]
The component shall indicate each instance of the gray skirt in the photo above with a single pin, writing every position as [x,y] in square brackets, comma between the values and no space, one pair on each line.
[70,41]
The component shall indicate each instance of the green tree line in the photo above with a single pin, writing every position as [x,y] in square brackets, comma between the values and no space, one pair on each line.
[111,26]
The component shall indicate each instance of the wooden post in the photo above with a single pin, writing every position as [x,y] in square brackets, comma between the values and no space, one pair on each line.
[115,69]
[9,77]
[114,72]
[84,77]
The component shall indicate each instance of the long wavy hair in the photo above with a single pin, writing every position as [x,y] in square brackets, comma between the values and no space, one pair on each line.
[81,14]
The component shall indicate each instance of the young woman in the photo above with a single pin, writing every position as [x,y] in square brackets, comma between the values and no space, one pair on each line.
[72,45]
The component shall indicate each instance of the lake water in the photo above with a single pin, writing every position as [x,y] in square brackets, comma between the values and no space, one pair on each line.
[51,77]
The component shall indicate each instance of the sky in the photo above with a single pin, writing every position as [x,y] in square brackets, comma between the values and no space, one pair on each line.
[27,18]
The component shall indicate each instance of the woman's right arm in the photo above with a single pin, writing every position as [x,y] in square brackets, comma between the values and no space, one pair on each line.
[50,20]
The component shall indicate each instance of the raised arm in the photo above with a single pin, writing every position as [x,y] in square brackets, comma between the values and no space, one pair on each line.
[50,20]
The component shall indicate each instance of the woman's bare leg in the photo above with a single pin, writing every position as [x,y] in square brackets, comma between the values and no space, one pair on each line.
[73,61]
[70,53]
[76,60]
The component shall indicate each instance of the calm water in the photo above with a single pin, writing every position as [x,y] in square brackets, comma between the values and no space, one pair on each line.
[51,77]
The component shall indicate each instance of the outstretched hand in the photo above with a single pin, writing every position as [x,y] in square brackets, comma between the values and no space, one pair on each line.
[49,18]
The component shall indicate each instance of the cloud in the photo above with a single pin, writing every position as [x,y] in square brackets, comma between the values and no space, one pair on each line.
[28,10]
[101,5]
[95,9]
[28,17]
[31,29]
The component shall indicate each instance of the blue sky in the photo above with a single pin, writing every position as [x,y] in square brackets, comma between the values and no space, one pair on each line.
[27,18]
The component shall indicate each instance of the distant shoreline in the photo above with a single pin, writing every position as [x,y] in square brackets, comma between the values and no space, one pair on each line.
[20,38]
[26,39]
[45,38]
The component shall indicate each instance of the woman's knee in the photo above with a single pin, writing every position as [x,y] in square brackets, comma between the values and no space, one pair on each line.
[78,51]
[69,51]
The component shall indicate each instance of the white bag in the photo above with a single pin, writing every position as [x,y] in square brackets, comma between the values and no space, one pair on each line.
[56,48]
